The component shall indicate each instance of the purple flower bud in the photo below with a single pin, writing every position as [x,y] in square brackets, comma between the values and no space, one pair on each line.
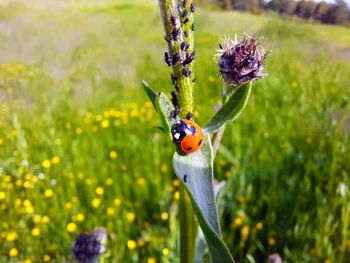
[240,62]
[88,247]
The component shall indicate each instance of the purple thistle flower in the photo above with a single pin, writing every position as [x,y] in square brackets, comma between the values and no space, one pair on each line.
[87,247]
[240,62]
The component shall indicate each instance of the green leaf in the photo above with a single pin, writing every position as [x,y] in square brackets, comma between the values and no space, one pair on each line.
[162,105]
[197,169]
[231,109]
[150,92]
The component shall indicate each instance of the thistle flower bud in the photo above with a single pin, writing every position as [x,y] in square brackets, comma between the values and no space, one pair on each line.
[88,247]
[240,62]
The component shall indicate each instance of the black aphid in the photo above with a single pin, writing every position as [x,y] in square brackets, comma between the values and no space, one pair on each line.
[184,3]
[175,59]
[173,79]
[192,8]
[184,14]
[174,98]
[193,27]
[189,59]
[183,45]
[185,178]
[186,20]
[186,72]
[175,33]
[173,20]
[167,59]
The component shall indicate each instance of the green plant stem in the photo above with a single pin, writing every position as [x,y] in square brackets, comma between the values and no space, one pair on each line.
[188,228]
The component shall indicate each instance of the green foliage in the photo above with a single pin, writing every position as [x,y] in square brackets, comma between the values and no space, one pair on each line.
[231,109]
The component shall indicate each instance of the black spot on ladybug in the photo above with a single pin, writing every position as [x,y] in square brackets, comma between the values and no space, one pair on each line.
[189,148]
[200,142]
[185,178]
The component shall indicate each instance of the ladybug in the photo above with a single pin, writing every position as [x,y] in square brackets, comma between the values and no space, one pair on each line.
[187,135]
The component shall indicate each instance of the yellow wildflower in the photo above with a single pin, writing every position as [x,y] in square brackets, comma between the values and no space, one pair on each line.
[151,260]
[259,226]
[28,261]
[80,217]
[71,227]
[164,216]
[13,252]
[177,195]
[245,231]
[131,244]
[45,219]
[113,154]
[37,219]
[69,205]
[110,211]
[109,181]
[2,195]
[55,160]
[78,130]
[165,251]
[46,164]
[140,181]
[96,202]
[48,193]
[238,221]
[12,236]
[99,191]
[117,201]
[130,216]
[46,258]
[105,124]
[271,241]
[35,232]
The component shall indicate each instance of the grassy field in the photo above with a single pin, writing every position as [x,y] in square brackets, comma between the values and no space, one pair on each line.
[78,147]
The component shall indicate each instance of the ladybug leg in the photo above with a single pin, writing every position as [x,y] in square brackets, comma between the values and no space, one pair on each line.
[176,112]
[189,115]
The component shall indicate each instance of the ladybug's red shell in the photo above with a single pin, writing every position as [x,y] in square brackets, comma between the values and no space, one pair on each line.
[188,135]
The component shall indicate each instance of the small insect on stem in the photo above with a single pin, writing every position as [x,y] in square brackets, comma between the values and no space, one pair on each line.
[186,20]
[173,79]
[173,20]
[185,178]
[186,72]
[192,8]
[167,59]
[175,59]
[193,27]
[189,58]
[174,98]
[184,3]
[175,33]
[184,14]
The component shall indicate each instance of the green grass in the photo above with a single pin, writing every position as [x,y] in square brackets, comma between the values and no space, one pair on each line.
[70,88]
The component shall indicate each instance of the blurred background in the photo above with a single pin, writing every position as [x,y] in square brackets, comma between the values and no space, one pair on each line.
[79,148]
